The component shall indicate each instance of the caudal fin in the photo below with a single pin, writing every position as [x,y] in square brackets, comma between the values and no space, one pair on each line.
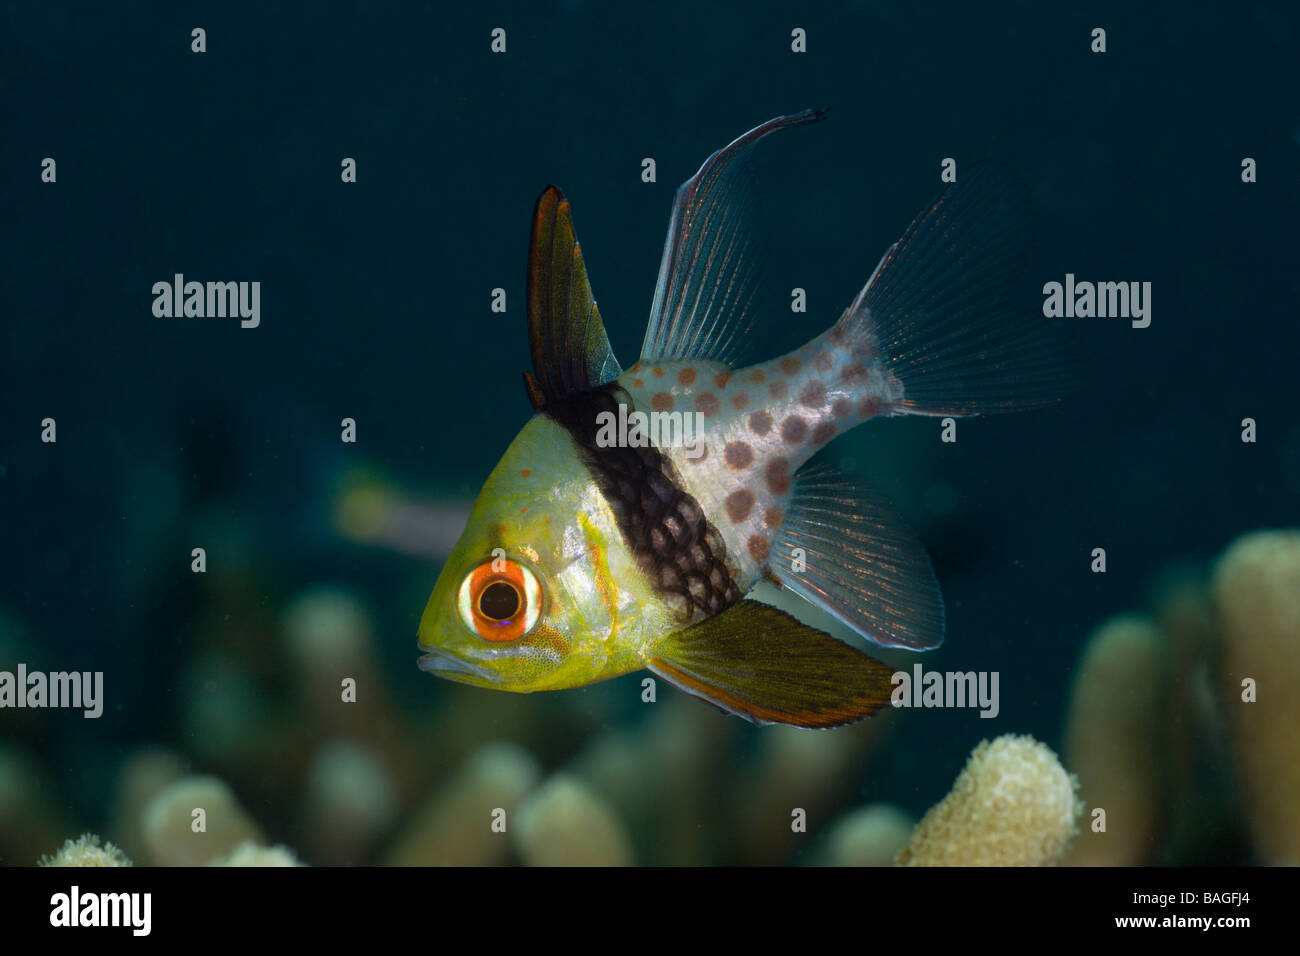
[937,310]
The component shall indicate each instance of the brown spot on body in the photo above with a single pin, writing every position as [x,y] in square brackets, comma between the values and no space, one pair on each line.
[662,402]
[760,423]
[758,548]
[778,390]
[823,433]
[527,472]
[841,408]
[868,407]
[773,517]
[739,504]
[658,371]
[823,361]
[686,377]
[790,365]
[721,379]
[638,382]
[739,455]
[793,430]
[813,395]
[758,376]
[707,404]
[778,476]
[855,374]
[740,400]
[838,335]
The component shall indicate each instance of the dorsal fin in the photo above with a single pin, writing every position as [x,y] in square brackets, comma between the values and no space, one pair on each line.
[571,353]
[708,271]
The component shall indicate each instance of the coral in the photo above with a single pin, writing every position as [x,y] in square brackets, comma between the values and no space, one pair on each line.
[86,851]
[350,799]
[169,820]
[328,628]
[251,854]
[455,826]
[1204,817]
[1256,592]
[869,836]
[1117,741]
[143,774]
[797,768]
[563,823]
[1012,805]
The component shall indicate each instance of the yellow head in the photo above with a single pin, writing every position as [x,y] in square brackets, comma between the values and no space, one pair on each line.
[529,600]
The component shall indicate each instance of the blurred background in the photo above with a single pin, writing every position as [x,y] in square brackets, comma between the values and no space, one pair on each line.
[180,433]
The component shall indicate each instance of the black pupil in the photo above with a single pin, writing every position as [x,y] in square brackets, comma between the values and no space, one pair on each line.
[499,601]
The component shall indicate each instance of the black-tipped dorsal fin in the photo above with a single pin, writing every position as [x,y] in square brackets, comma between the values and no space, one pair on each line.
[571,353]
[708,271]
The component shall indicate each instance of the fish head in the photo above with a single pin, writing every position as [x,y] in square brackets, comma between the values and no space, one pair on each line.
[528,599]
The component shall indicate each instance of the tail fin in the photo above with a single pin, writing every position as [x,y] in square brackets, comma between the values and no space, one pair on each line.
[936,309]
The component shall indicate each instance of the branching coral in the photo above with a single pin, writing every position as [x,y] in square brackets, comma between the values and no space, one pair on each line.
[1012,805]
[869,836]
[563,823]
[466,823]
[194,820]
[1117,741]
[1256,592]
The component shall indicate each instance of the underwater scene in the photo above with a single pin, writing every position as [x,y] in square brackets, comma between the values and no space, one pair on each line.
[576,434]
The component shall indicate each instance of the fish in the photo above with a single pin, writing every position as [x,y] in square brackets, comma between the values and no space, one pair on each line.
[599,546]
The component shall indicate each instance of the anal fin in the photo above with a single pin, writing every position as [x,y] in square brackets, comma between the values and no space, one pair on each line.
[759,663]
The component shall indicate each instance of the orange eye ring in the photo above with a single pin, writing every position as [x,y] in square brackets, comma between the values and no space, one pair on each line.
[500,600]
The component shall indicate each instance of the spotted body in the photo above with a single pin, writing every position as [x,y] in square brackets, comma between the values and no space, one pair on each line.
[762,423]
[586,557]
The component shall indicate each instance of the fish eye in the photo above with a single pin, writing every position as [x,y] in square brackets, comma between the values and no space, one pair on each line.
[500,600]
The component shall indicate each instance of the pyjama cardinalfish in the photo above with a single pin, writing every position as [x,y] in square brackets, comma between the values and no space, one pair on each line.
[592,551]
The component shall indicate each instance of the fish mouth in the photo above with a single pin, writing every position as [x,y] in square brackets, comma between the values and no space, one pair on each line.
[444,664]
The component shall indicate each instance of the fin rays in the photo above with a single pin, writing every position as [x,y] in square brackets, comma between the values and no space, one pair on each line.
[861,563]
[571,353]
[707,273]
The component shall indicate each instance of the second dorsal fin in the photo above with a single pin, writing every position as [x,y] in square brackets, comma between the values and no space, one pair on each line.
[571,352]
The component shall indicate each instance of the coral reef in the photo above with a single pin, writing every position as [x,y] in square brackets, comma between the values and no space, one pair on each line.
[350,800]
[466,822]
[1117,741]
[563,823]
[1256,591]
[1012,805]
[142,776]
[1155,728]
[87,851]
[869,836]
[171,823]
[251,854]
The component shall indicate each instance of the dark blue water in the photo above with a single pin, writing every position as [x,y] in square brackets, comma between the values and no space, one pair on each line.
[376,295]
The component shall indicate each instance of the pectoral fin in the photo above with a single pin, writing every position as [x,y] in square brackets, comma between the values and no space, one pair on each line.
[759,663]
